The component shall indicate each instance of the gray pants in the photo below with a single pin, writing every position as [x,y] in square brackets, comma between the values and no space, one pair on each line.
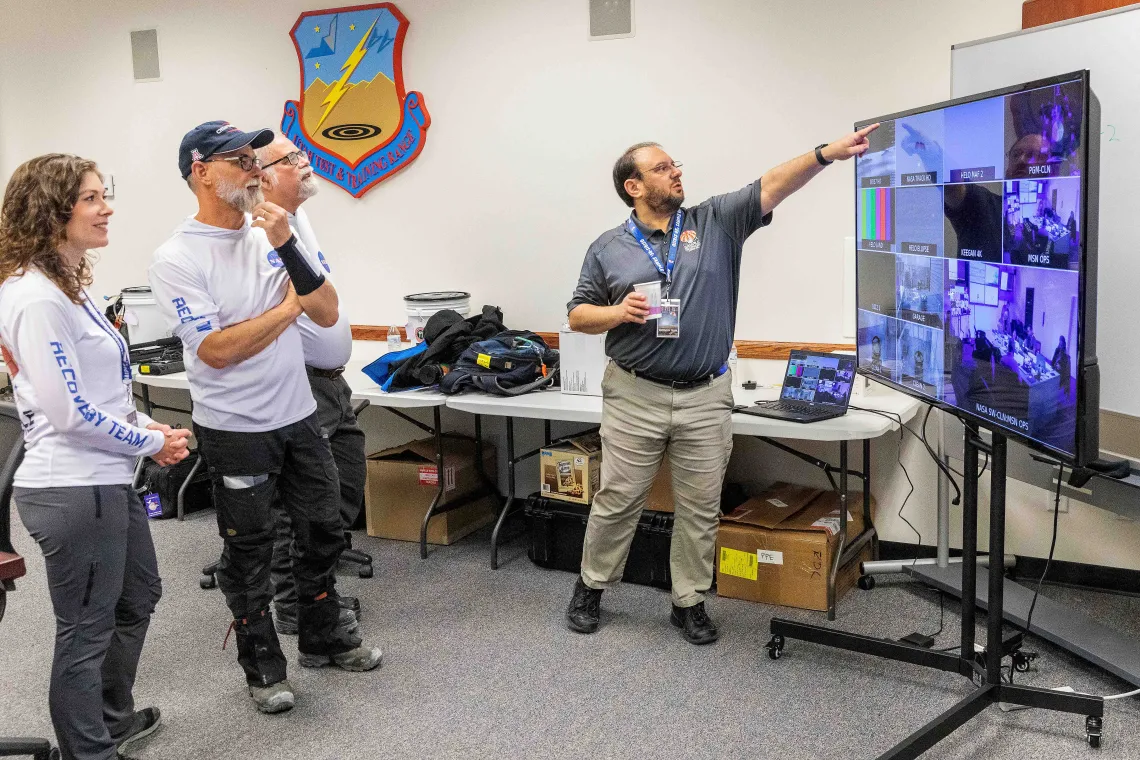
[641,421]
[103,578]
[338,422]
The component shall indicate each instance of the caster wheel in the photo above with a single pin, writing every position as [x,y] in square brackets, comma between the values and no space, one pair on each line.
[774,652]
[775,647]
[207,582]
[1093,728]
[1022,661]
[365,571]
[866,582]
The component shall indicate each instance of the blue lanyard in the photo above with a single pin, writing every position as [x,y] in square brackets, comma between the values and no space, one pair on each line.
[98,318]
[667,268]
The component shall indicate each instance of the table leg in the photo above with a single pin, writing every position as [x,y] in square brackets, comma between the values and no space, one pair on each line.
[147,407]
[842,545]
[441,477]
[509,502]
[868,523]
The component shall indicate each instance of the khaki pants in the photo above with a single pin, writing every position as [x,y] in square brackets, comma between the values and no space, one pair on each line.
[641,421]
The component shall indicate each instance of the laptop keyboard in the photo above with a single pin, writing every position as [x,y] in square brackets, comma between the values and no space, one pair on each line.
[788,405]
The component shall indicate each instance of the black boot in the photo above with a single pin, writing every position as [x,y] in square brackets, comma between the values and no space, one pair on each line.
[585,608]
[259,651]
[695,624]
[320,631]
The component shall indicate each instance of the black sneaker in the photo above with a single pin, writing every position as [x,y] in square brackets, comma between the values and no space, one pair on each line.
[146,723]
[695,624]
[582,616]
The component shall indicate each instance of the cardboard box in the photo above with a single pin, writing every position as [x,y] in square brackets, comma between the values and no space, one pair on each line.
[402,481]
[581,362]
[571,470]
[779,547]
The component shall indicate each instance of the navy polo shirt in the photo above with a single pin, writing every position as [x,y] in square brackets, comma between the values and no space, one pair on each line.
[706,278]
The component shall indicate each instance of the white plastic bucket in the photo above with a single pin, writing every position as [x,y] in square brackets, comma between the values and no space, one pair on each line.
[141,315]
[420,307]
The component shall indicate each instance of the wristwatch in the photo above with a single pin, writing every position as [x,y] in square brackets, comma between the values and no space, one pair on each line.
[819,155]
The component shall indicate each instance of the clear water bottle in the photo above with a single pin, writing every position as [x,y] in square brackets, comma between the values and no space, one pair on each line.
[732,364]
[393,338]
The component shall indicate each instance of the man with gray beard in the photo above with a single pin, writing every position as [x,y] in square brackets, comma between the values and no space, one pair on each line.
[232,282]
[288,181]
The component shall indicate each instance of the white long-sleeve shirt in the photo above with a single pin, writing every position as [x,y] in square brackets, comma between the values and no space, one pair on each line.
[208,278]
[76,407]
[324,347]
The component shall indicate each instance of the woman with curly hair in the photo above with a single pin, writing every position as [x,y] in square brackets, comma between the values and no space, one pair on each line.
[71,373]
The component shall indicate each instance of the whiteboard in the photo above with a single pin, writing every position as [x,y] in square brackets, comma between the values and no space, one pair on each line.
[1108,44]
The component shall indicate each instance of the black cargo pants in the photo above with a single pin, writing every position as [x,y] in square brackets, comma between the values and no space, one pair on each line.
[249,472]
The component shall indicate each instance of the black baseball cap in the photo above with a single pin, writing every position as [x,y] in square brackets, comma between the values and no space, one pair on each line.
[205,140]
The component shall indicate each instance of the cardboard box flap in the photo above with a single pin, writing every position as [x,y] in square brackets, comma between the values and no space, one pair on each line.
[416,451]
[774,507]
[822,515]
[423,451]
[590,443]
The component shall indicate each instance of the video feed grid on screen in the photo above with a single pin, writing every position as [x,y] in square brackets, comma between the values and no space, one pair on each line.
[876,207]
[975,141]
[1042,227]
[1043,132]
[819,379]
[919,151]
[973,221]
[876,167]
[877,342]
[919,221]
[991,190]
[921,289]
[1011,347]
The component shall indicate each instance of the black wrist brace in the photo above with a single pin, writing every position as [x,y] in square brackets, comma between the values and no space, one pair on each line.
[305,280]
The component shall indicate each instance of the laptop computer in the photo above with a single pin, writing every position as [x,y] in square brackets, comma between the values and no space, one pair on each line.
[817,386]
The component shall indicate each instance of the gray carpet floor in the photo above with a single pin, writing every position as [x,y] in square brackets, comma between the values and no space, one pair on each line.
[478,664]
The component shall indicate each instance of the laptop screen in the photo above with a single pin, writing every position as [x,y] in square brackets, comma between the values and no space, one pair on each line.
[819,378]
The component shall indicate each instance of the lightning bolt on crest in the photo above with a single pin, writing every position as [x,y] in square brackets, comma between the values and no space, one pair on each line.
[354,59]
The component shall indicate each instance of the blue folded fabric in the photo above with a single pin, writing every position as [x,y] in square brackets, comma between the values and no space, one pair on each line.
[380,371]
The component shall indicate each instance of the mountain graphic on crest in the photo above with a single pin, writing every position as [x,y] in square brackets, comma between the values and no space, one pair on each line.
[328,43]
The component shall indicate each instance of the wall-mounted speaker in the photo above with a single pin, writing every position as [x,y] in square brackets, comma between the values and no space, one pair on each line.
[144,55]
[611,19]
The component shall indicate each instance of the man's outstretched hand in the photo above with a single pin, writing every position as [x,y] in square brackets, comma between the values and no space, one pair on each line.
[854,144]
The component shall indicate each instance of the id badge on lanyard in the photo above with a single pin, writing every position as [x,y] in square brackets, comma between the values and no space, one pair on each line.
[669,324]
[124,356]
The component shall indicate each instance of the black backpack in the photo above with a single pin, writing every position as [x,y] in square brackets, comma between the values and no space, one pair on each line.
[511,363]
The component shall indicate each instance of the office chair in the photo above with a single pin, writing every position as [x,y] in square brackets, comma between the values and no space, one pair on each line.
[209,579]
[12,564]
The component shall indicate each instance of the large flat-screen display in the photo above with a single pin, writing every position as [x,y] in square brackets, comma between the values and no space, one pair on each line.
[976,259]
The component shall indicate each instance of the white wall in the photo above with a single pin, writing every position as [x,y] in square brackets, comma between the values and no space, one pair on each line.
[527,118]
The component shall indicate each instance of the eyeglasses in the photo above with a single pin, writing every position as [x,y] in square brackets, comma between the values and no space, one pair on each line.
[293,158]
[666,167]
[245,163]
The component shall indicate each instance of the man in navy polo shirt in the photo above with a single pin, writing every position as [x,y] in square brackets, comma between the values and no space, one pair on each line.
[667,388]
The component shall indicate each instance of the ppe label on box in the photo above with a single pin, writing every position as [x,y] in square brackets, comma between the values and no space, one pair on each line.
[777,503]
[831,522]
[769,557]
[738,563]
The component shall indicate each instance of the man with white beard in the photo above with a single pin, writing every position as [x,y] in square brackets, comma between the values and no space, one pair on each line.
[288,181]
[232,281]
